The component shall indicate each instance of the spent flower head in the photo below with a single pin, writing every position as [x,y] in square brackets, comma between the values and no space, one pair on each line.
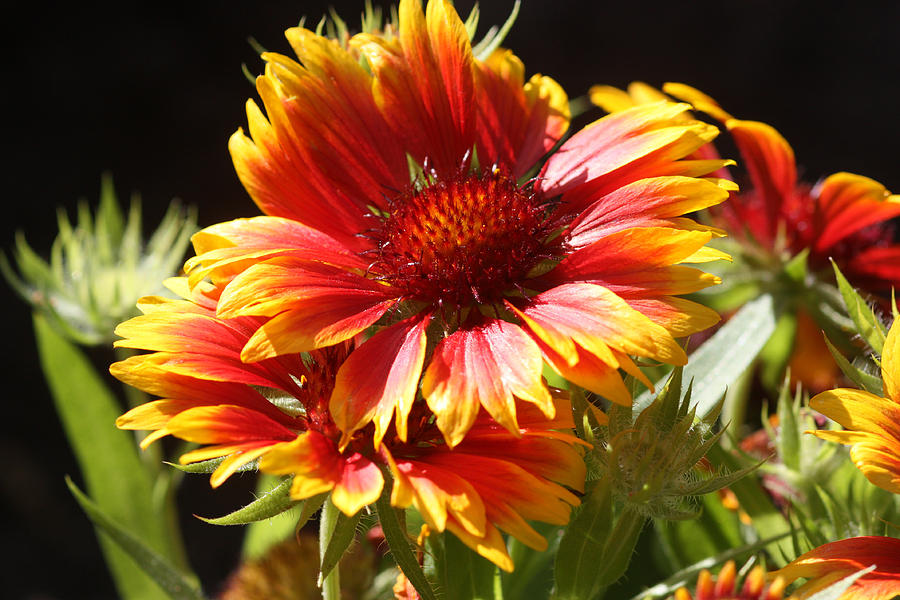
[100,266]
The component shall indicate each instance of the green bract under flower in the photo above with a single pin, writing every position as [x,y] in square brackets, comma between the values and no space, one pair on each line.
[652,463]
[100,266]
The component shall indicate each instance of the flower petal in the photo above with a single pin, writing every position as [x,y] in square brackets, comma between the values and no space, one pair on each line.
[833,561]
[484,365]
[846,203]
[379,378]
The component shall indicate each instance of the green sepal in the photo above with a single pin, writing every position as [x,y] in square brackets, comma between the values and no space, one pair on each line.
[397,538]
[175,583]
[341,538]
[726,355]
[272,503]
[868,325]
[788,437]
[867,381]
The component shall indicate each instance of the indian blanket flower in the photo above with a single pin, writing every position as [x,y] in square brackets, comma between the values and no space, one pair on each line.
[277,410]
[871,423]
[834,561]
[395,174]
[775,218]
[844,217]
[725,586]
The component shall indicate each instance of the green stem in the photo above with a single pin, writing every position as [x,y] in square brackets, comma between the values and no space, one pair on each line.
[331,585]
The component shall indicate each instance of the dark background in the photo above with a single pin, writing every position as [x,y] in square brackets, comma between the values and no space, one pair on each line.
[151,93]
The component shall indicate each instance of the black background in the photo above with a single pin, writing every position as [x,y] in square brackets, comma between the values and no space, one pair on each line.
[152,91]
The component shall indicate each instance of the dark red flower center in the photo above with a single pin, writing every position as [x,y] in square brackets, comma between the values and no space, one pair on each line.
[472,239]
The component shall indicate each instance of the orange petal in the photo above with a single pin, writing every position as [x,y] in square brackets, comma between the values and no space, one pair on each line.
[379,378]
[828,563]
[518,123]
[484,365]
[597,319]
[847,203]
[890,363]
[425,87]
[646,203]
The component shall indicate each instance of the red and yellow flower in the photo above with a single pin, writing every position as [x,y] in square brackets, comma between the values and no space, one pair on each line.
[871,423]
[844,217]
[277,410]
[474,274]
[832,562]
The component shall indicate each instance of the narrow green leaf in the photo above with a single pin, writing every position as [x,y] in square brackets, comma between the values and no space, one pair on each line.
[867,324]
[726,355]
[582,544]
[262,534]
[398,541]
[175,583]
[341,538]
[533,576]
[208,466]
[113,472]
[272,503]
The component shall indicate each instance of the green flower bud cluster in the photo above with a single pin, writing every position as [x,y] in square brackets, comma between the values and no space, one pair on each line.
[100,266]
[654,462]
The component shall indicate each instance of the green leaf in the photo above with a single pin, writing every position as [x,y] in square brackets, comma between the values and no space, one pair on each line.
[867,324]
[175,583]
[278,518]
[777,351]
[533,576]
[341,537]
[270,504]
[582,545]
[398,541]
[114,475]
[208,466]
[725,356]
[462,573]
